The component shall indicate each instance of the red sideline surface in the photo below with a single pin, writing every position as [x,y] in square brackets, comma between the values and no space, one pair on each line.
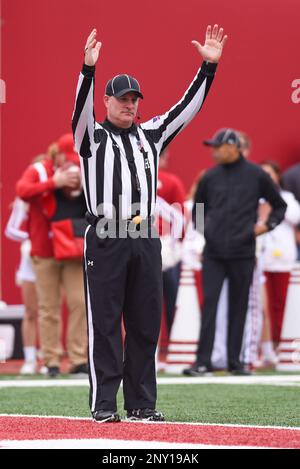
[33,428]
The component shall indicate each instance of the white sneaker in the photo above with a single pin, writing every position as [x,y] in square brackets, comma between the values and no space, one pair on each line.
[258,363]
[28,368]
[43,370]
[271,361]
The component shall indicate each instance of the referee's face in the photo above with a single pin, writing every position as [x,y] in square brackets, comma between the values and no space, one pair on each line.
[122,111]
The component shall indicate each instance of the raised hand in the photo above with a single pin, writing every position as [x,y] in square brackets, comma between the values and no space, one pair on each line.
[92,49]
[214,43]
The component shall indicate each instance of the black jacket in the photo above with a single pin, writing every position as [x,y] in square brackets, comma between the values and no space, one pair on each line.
[231,195]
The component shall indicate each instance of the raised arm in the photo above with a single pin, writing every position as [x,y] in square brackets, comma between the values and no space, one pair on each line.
[165,127]
[83,120]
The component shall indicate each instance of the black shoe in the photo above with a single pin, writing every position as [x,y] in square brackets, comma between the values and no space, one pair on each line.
[79,369]
[150,415]
[240,372]
[197,371]
[102,416]
[53,371]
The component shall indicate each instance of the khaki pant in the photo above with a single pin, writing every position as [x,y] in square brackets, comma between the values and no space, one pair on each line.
[53,278]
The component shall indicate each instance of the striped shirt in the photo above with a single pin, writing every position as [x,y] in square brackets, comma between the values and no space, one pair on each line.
[120,166]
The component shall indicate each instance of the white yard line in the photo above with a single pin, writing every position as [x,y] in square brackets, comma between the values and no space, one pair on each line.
[106,444]
[201,424]
[36,383]
[270,380]
[274,380]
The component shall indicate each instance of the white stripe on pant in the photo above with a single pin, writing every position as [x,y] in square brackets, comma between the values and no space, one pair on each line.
[90,331]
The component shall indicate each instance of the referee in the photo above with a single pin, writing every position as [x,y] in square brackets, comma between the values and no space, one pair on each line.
[119,163]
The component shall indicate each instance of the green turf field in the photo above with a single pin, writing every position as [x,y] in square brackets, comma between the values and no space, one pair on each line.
[206,403]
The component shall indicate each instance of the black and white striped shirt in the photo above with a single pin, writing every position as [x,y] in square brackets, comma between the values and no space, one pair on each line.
[119,166]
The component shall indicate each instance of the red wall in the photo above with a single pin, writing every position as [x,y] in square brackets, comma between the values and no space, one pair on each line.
[42,52]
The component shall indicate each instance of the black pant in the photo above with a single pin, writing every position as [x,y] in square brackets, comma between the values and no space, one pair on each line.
[122,276]
[171,279]
[239,273]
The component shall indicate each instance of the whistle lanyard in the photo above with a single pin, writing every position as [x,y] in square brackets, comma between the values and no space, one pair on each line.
[128,153]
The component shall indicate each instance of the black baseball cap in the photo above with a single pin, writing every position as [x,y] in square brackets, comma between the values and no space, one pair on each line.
[223,136]
[122,84]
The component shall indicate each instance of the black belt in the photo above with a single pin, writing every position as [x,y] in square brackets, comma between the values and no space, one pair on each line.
[131,224]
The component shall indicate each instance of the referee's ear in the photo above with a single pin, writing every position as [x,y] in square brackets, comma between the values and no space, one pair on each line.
[106,100]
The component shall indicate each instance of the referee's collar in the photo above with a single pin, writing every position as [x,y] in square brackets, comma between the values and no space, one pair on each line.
[118,130]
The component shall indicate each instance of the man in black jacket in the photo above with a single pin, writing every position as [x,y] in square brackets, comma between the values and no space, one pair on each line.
[230,193]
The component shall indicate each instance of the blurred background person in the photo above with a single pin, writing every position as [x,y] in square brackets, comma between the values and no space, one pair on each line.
[17,230]
[170,189]
[230,193]
[52,189]
[193,243]
[279,254]
[254,317]
[192,251]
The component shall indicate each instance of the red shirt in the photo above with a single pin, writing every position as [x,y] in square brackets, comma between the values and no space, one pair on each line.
[38,194]
[171,189]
